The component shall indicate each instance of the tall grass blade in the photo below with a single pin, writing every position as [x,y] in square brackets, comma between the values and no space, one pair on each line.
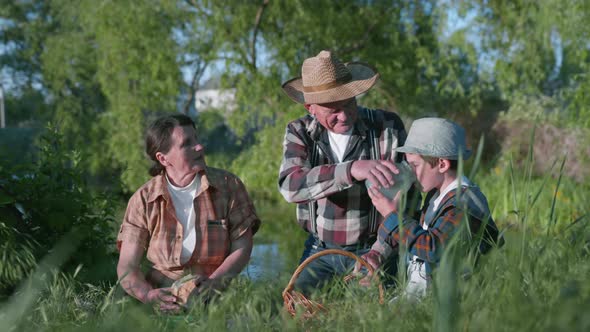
[575,222]
[477,159]
[529,166]
[403,250]
[552,220]
[446,288]
[545,180]
[513,187]
[24,298]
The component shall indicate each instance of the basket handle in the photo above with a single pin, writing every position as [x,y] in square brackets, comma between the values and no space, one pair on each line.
[291,284]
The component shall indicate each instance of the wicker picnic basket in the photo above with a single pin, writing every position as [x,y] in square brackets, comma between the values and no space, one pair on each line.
[294,299]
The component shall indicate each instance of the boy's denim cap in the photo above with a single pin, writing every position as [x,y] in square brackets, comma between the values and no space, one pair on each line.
[436,137]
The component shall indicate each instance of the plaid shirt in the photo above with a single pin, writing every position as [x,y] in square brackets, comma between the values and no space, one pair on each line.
[342,203]
[429,244]
[223,213]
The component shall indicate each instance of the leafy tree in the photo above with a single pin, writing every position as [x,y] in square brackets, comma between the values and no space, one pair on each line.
[536,50]
[104,71]
[45,201]
[137,72]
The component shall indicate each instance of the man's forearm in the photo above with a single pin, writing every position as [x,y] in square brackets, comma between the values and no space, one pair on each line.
[299,184]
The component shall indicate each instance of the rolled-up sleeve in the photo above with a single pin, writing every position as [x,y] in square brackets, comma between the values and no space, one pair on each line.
[134,227]
[242,214]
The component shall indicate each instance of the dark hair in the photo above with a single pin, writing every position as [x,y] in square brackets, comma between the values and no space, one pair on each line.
[158,138]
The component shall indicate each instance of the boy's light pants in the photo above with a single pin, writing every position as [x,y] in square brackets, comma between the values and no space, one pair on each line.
[418,280]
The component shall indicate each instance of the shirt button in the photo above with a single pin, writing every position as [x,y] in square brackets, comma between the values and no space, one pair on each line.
[178,237]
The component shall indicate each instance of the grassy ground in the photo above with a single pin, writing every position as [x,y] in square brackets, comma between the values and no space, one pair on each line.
[545,288]
[537,281]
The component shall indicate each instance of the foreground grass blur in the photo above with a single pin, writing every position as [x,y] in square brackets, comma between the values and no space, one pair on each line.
[548,292]
[536,282]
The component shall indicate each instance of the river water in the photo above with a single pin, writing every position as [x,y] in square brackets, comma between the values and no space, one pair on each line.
[266,262]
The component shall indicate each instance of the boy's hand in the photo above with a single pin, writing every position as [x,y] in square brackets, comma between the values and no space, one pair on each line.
[382,203]
[374,259]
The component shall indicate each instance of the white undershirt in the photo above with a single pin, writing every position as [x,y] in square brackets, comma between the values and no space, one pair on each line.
[182,199]
[339,142]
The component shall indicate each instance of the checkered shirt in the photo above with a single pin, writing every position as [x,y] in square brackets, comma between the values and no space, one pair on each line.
[223,211]
[430,244]
[342,203]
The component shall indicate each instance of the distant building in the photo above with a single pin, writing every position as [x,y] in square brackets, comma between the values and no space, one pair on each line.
[215,99]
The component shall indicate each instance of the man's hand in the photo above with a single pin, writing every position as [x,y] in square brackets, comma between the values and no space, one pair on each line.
[163,299]
[378,172]
[382,203]
[374,259]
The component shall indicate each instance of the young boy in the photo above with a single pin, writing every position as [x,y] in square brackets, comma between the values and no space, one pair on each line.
[432,149]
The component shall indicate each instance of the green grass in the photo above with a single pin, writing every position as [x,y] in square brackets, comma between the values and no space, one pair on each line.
[548,292]
[537,282]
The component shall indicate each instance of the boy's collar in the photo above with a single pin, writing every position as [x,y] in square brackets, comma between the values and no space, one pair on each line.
[440,196]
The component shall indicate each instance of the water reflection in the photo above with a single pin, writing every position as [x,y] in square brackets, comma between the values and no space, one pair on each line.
[266,262]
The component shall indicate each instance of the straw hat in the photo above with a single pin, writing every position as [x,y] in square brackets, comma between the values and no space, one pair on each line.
[436,137]
[324,79]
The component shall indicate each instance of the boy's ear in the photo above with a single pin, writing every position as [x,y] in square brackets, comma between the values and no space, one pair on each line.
[444,165]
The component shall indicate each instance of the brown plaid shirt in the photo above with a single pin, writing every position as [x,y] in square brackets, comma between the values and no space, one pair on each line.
[223,211]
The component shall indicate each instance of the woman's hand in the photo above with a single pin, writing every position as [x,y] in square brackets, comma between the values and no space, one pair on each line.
[163,299]
[205,289]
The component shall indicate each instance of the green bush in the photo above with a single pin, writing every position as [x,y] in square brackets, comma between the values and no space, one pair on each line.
[17,256]
[49,202]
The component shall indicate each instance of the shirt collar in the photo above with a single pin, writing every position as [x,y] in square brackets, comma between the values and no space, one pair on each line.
[159,187]
[452,186]
[360,128]
[194,184]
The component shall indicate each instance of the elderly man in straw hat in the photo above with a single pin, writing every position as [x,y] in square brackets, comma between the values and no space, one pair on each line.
[328,153]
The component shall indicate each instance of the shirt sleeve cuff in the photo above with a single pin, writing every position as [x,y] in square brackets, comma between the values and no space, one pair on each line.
[384,233]
[130,233]
[382,248]
[391,223]
[342,177]
[251,222]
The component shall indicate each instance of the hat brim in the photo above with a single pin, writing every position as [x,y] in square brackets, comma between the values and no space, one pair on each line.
[414,150]
[364,77]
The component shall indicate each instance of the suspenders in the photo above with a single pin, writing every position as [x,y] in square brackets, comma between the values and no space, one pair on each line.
[375,154]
